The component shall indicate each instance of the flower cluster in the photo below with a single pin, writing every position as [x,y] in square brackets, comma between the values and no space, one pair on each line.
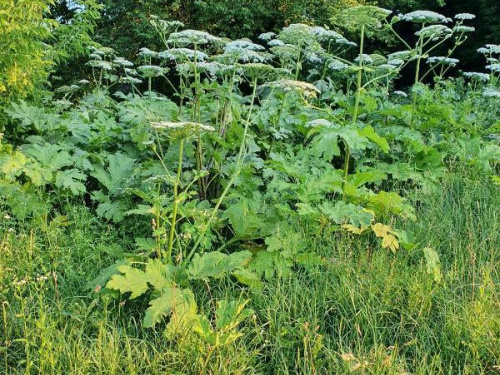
[424,16]
[475,76]
[442,60]
[288,85]
[182,125]
[464,16]
[182,54]
[192,37]
[434,32]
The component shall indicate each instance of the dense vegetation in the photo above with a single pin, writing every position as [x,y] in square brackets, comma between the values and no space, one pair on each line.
[208,205]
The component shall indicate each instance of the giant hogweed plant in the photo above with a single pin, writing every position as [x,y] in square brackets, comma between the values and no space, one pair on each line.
[244,150]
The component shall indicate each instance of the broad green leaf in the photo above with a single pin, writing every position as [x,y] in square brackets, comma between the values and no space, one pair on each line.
[248,278]
[119,171]
[341,212]
[354,140]
[110,210]
[72,180]
[361,178]
[159,275]
[385,203]
[12,165]
[230,314]
[216,265]
[184,316]
[105,275]
[179,304]
[245,222]
[50,156]
[325,145]
[131,280]
[269,264]
[162,306]
[369,133]
[433,263]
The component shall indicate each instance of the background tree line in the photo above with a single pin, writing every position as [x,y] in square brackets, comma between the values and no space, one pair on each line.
[42,36]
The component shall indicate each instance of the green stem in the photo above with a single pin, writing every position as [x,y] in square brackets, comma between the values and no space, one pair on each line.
[158,225]
[239,163]
[359,77]
[357,100]
[297,65]
[176,200]
[417,80]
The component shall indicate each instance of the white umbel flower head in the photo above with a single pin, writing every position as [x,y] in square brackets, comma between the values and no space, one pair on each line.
[367,59]
[288,85]
[324,35]
[442,60]
[337,65]
[192,37]
[314,58]
[495,68]
[132,80]
[387,67]
[267,36]
[256,70]
[244,55]
[475,76]
[215,68]
[183,129]
[424,16]
[403,55]
[401,93]
[464,29]
[151,71]
[434,32]
[491,92]
[297,34]
[242,44]
[95,56]
[465,16]
[146,52]
[493,48]
[104,65]
[130,71]
[275,42]
[182,54]
[396,62]
[120,61]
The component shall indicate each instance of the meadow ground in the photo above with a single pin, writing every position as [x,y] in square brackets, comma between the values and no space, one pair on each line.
[366,311]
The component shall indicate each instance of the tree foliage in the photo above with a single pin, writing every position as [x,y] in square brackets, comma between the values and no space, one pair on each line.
[33,40]
[25,57]
[124,25]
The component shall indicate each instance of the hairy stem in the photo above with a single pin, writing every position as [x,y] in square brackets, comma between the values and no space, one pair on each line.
[176,200]
[239,164]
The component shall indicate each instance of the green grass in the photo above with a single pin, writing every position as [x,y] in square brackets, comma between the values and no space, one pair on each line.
[367,311]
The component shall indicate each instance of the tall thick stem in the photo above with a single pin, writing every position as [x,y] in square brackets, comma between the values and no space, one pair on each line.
[176,200]
[417,80]
[359,77]
[357,100]
[239,163]
[197,118]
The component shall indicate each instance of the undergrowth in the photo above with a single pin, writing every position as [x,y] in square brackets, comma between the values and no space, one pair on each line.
[233,207]
[364,309]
